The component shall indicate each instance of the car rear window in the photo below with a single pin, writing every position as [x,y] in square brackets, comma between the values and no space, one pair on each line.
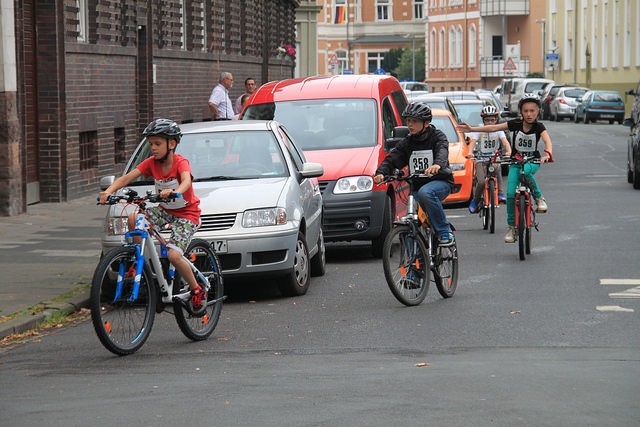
[323,124]
[534,87]
[607,97]
[575,93]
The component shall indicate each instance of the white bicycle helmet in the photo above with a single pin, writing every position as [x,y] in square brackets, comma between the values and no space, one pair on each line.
[489,111]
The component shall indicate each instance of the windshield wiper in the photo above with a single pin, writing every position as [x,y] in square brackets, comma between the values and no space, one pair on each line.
[216,178]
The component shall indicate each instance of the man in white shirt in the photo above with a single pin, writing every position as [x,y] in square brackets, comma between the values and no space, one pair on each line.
[219,101]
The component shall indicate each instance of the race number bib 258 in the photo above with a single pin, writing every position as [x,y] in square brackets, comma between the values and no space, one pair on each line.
[420,160]
[526,143]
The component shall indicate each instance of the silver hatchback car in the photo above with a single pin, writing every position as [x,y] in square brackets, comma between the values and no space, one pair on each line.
[260,200]
[563,105]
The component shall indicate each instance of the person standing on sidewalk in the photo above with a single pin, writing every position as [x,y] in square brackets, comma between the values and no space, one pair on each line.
[219,101]
[249,88]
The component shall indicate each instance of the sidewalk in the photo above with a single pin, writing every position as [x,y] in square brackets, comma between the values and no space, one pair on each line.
[44,254]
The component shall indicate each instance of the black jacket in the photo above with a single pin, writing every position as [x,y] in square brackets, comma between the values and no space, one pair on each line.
[431,139]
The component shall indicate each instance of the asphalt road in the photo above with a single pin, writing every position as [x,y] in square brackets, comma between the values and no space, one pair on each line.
[550,341]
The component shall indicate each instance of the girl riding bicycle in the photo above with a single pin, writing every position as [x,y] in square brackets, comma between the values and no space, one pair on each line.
[485,145]
[426,150]
[527,133]
[172,174]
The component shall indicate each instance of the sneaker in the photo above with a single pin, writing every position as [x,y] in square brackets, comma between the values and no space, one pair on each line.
[502,198]
[446,239]
[198,297]
[473,206]
[542,205]
[510,237]
[411,280]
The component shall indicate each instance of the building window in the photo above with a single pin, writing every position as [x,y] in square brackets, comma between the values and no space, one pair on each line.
[441,43]
[418,9]
[472,45]
[382,10]
[340,15]
[119,146]
[82,21]
[342,61]
[458,47]
[374,61]
[452,47]
[432,49]
[88,150]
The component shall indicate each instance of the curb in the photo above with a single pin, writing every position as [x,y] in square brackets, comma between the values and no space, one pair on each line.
[27,322]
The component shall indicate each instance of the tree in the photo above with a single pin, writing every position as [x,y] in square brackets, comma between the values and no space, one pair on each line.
[404,70]
[391,59]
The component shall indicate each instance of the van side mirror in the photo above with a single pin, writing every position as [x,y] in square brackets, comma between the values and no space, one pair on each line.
[399,133]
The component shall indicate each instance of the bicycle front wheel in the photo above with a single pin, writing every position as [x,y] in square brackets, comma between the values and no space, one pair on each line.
[405,260]
[121,319]
[445,271]
[200,327]
[522,224]
[491,211]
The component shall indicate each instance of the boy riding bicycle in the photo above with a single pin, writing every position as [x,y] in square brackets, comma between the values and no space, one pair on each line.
[485,145]
[424,150]
[172,174]
[527,133]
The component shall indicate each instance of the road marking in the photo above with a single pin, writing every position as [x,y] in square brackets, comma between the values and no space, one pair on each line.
[620,282]
[67,253]
[614,308]
[629,293]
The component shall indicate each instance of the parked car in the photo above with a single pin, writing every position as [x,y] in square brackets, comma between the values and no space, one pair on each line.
[489,95]
[458,94]
[434,101]
[564,103]
[600,105]
[547,96]
[633,153]
[463,168]
[342,122]
[260,200]
[414,86]
[513,89]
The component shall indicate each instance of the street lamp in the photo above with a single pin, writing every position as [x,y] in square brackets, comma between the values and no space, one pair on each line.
[544,44]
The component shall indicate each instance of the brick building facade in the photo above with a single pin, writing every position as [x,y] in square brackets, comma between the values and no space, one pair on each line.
[97,71]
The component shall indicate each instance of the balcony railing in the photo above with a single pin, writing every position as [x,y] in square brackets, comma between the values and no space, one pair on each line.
[504,7]
[493,66]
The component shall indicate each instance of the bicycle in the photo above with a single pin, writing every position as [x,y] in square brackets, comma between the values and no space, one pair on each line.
[489,198]
[411,252]
[133,282]
[525,215]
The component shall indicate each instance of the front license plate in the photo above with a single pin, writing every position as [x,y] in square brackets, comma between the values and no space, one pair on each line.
[220,246]
[606,116]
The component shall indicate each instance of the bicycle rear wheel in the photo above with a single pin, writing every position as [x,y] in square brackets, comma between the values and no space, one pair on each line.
[122,321]
[522,224]
[491,210]
[405,260]
[200,327]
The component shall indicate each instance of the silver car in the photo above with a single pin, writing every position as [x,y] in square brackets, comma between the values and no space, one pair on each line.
[260,200]
[564,103]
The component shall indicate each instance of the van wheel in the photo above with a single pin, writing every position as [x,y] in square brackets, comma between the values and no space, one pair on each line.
[378,242]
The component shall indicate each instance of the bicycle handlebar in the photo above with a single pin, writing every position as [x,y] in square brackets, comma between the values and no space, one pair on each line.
[131,196]
[398,175]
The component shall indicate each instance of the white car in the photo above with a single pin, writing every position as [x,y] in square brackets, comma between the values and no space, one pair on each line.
[260,200]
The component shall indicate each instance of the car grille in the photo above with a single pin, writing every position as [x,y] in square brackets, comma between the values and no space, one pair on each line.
[217,222]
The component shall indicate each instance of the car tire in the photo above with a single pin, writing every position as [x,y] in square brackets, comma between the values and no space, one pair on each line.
[575,118]
[319,260]
[296,282]
[586,118]
[636,174]
[377,244]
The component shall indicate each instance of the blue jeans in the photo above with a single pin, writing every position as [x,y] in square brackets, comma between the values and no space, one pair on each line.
[430,197]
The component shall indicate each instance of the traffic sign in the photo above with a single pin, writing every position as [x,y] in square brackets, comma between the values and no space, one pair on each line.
[510,65]
[333,60]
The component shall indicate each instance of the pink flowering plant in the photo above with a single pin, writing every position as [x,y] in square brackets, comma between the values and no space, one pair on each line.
[286,49]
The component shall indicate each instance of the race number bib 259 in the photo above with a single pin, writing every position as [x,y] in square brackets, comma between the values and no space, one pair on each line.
[525,143]
[420,160]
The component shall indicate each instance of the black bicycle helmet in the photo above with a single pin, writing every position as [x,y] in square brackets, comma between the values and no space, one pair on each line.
[529,97]
[163,127]
[489,111]
[419,111]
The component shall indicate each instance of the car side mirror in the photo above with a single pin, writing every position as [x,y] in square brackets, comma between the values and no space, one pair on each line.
[628,122]
[311,170]
[508,114]
[630,92]
[106,181]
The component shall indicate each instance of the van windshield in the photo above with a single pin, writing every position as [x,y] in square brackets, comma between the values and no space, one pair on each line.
[323,124]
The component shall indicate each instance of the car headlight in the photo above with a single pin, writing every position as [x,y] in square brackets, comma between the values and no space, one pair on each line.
[457,166]
[116,226]
[262,217]
[353,184]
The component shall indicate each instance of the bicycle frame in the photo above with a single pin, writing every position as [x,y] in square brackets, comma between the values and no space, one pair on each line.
[524,190]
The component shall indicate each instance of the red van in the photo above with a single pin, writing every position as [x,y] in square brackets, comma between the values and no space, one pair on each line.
[342,122]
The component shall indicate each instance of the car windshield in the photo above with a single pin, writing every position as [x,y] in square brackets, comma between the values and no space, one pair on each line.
[470,113]
[607,97]
[323,124]
[225,156]
[445,124]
